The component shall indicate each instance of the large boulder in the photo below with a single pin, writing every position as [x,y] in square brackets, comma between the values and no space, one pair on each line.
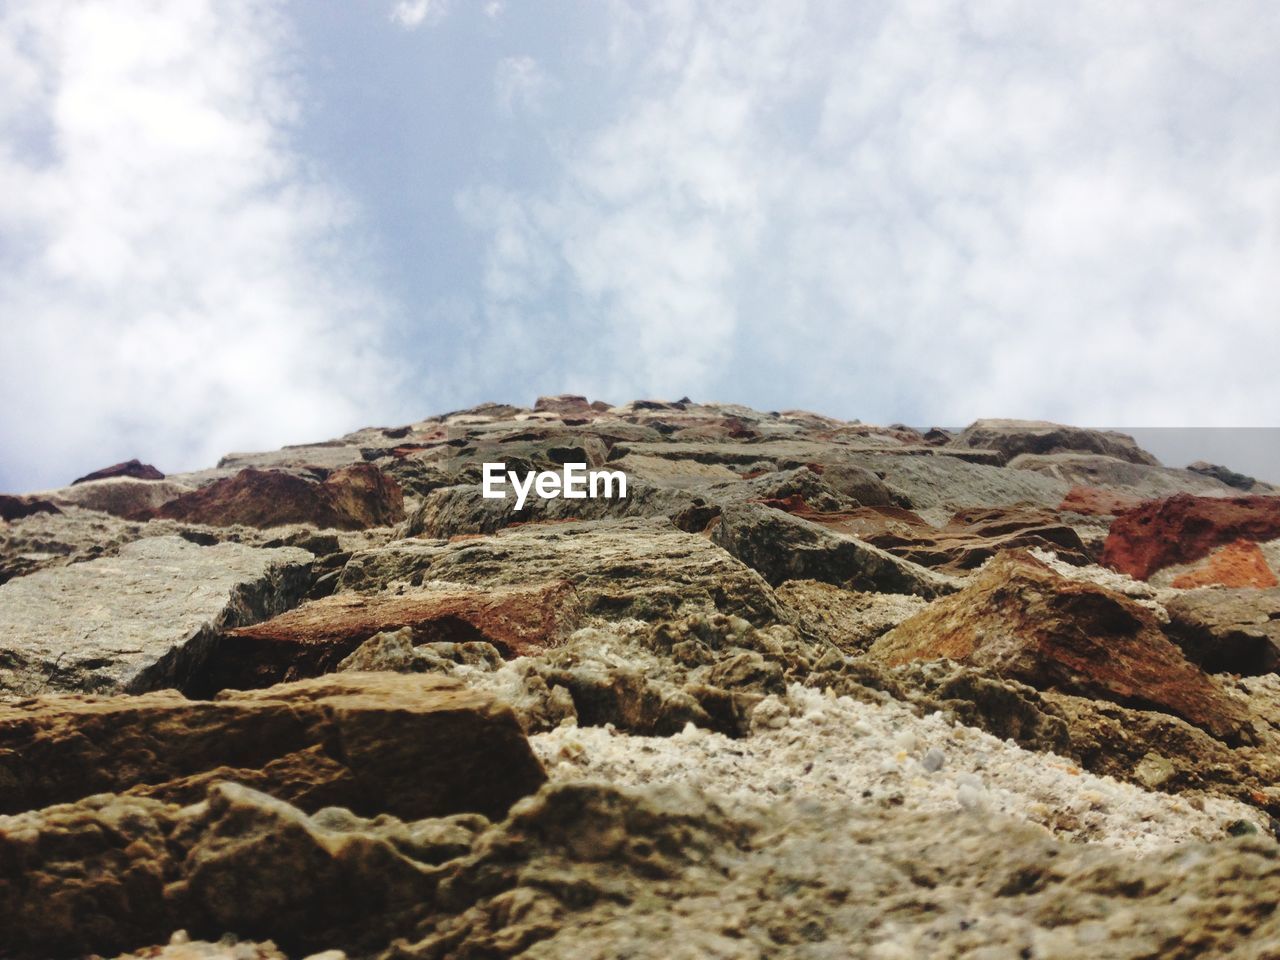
[1240,563]
[1185,528]
[120,496]
[409,745]
[1023,621]
[315,637]
[621,569]
[785,547]
[141,620]
[351,498]
[129,468]
[1014,437]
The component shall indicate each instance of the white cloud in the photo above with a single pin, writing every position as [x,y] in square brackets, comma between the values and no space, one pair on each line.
[520,83]
[412,14]
[175,280]
[921,209]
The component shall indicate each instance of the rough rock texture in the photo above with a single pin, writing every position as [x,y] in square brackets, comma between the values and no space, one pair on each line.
[1230,477]
[350,498]
[314,637]
[786,547]
[1093,501]
[142,620]
[121,496]
[1185,528]
[1237,631]
[1238,564]
[1013,437]
[129,468]
[15,508]
[1023,621]
[412,746]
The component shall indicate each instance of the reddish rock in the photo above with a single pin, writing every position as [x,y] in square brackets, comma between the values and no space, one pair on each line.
[1185,528]
[15,508]
[129,468]
[1025,622]
[1238,564]
[314,638]
[1096,502]
[352,498]
[968,540]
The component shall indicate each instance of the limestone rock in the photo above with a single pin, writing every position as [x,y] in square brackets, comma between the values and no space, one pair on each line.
[120,496]
[646,569]
[129,468]
[1013,437]
[784,547]
[1023,621]
[409,745]
[313,638]
[142,620]
[351,498]
[1185,528]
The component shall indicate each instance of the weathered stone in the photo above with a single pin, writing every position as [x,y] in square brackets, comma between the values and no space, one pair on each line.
[1230,477]
[783,547]
[121,496]
[1097,502]
[1184,528]
[1013,437]
[351,498]
[850,620]
[1232,630]
[142,620]
[565,404]
[15,508]
[1238,564]
[315,637]
[646,569]
[413,746]
[1022,620]
[129,468]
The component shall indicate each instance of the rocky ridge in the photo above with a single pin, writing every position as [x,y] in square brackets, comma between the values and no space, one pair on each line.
[815,688]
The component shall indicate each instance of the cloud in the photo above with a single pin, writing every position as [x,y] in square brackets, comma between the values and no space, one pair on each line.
[412,14]
[930,211]
[520,83]
[176,280]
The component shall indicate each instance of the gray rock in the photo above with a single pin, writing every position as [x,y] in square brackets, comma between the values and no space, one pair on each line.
[1012,437]
[1232,630]
[140,620]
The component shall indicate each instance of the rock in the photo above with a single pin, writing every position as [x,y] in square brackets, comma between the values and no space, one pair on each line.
[1139,480]
[950,483]
[642,569]
[1095,501]
[784,547]
[15,508]
[1023,621]
[182,947]
[1238,564]
[352,498]
[142,620]
[565,404]
[409,745]
[1232,479]
[1233,631]
[1013,437]
[1185,528]
[130,468]
[315,637]
[120,496]
[850,620]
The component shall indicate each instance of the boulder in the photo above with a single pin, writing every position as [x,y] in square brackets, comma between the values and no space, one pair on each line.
[120,496]
[565,404]
[129,468]
[1232,630]
[1224,475]
[410,745]
[1185,528]
[1097,502]
[1238,564]
[1025,622]
[621,569]
[1014,437]
[141,620]
[351,498]
[15,508]
[315,637]
[785,547]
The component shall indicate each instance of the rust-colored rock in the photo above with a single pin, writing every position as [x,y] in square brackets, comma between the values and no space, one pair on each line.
[1027,623]
[317,636]
[129,468]
[967,541]
[351,498]
[1097,502]
[1238,564]
[1185,528]
[410,745]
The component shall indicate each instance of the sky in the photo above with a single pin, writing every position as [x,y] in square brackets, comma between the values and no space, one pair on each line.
[235,224]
